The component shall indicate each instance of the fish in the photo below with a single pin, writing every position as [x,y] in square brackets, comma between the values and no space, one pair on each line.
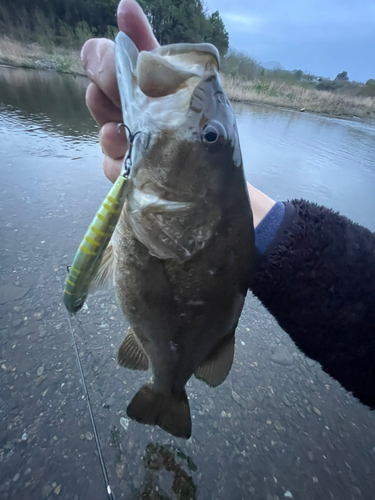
[182,252]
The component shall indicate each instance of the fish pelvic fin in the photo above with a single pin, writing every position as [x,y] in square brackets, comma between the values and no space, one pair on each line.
[216,366]
[104,278]
[165,410]
[131,353]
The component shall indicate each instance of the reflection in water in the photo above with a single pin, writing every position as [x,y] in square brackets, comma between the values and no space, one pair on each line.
[53,101]
[289,154]
[167,472]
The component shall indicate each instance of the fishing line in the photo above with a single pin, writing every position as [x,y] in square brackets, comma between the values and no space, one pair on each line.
[126,166]
[98,446]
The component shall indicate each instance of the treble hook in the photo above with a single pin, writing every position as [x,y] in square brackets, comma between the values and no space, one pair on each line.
[128,161]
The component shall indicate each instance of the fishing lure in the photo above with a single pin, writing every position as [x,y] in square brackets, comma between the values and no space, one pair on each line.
[90,252]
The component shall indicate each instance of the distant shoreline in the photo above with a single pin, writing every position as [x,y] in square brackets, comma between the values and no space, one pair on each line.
[275,94]
[283,95]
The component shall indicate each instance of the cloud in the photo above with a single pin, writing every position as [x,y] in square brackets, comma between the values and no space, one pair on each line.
[243,22]
[323,36]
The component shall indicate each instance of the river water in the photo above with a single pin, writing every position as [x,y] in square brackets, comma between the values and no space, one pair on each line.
[272,430]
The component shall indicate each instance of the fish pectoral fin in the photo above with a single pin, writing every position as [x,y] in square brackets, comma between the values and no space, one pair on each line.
[131,353]
[216,366]
[165,410]
[104,279]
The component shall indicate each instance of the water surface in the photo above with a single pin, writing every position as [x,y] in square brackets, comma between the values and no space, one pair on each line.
[271,431]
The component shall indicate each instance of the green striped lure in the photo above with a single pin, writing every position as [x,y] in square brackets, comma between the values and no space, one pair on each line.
[90,252]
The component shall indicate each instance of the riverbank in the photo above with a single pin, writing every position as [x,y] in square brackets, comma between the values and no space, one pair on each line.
[282,94]
[274,93]
[22,55]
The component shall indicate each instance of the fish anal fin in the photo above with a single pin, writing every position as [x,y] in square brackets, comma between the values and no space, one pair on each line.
[104,278]
[165,410]
[216,366]
[131,353]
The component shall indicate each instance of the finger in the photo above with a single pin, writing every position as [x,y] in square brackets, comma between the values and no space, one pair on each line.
[132,20]
[113,142]
[100,106]
[97,54]
[98,61]
[112,168]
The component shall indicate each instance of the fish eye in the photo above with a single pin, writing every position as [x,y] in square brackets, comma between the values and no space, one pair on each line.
[210,134]
[213,134]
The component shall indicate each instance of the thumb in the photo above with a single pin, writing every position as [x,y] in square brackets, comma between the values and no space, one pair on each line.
[132,21]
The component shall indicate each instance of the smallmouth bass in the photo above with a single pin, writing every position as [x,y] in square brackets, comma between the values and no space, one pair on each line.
[183,249]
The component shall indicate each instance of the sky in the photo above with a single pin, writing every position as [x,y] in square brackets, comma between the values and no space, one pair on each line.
[321,37]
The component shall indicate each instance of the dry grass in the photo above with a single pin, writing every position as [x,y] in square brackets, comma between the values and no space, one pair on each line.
[275,93]
[279,93]
[32,55]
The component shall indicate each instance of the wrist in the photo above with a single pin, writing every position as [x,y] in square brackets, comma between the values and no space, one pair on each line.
[261,204]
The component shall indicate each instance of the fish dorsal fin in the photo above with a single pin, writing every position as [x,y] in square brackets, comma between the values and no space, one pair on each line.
[131,354]
[216,366]
[104,279]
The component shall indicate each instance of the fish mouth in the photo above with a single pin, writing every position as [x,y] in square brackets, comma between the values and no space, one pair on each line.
[156,87]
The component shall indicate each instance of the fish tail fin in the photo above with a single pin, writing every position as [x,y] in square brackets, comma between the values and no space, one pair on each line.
[165,410]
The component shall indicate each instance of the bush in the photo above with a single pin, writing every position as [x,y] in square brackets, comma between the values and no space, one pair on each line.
[239,64]
[329,85]
[369,89]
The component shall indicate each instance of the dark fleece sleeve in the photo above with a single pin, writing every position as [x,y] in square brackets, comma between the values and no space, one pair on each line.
[318,280]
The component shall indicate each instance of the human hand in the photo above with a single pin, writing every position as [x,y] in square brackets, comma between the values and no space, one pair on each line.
[102,95]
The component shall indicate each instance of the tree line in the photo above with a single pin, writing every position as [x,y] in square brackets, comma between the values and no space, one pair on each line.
[71,22]
[173,21]
[240,65]
[97,14]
